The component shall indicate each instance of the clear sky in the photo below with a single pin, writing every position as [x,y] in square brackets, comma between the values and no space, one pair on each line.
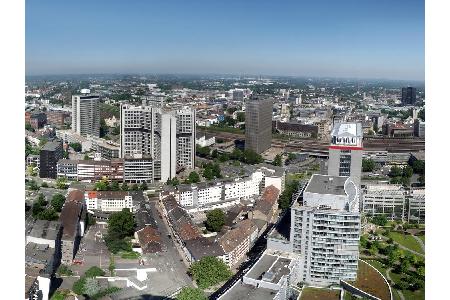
[331,38]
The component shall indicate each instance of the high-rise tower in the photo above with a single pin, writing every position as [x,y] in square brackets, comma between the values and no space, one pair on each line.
[258,123]
[86,114]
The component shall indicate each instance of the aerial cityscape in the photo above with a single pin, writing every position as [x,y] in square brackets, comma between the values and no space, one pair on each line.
[222,185]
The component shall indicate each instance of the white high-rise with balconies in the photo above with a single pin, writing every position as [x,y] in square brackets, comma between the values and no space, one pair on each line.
[325,230]
[86,114]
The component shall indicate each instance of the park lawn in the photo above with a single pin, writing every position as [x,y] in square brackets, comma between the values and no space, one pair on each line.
[422,237]
[310,293]
[377,265]
[407,241]
[417,295]
[370,281]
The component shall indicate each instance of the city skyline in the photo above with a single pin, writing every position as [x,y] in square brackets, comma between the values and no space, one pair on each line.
[320,39]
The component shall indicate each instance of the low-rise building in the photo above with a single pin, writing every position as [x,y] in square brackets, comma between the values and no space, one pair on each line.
[44,232]
[109,201]
[91,170]
[296,129]
[72,218]
[237,242]
[138,169]
[266,207]
[384,199]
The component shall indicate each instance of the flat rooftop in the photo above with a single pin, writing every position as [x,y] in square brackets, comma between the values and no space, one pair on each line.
[347,130]
[248,292]
[261,266]
[326,184]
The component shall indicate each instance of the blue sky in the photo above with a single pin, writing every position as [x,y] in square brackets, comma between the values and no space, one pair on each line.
[331,38]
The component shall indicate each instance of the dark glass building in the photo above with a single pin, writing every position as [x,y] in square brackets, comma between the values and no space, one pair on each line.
[409,96]
[49,156]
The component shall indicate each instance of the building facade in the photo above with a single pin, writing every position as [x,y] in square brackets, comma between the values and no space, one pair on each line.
[49,156]
[108,201]
[91,170]
[346,151]
[384,199]
[86,114]
[325,230]
[258,123]
[416,206]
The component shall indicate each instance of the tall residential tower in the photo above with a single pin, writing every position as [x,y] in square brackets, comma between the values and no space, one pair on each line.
[86,113]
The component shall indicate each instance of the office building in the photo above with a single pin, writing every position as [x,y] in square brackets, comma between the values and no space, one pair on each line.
[258,123]
[408,96]
[419,128]
[416,206]
[91,170]
[138,169]
[49,156]
[108,201]
[325,230]
[384,199]
[168,137]
[345,151]
[86,113]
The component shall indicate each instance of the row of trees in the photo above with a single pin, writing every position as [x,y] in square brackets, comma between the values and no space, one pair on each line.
[401,175]
[284,200]
[247,156]
[104,185]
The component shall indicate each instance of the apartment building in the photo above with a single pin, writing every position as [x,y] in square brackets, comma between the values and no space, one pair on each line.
[258,123]
[108,201]
[86,113]
[384,199]
[166,136]
[325,230]
[237,242]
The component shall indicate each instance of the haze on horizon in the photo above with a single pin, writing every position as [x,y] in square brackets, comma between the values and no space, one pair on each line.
[323,38]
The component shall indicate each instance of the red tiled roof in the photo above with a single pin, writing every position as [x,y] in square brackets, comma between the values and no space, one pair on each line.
[233,238]
[75,195]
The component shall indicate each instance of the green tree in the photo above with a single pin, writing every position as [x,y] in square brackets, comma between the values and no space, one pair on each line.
[64,270]
[121,224]
[75,146]
[103,128]
[278,161]
[32,185]
[251,157]
[379,220]
[86,157]
[202,151]
[115,186]
[215,219]
[58,201]
[124,186]
[29,127]
[143,186]
[44,185]
[209,271]
[61,183]
[368,165]
[240,116]
[284,201]
[189,293]
[78,286]
[102,185]
[48,214]
[419,167]
[135,187]
[194,177]
[421,114]
[94,272]
[174,181]
[395,171]
[112,265]
[407,171]
[91,286]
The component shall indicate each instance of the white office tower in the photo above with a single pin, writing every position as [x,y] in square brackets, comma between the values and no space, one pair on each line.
[185,138]
[325,230]
[86,113]
[345,151]
[154,133]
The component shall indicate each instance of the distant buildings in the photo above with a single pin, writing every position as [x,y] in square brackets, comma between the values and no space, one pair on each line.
[296,129]
[168,137]
[345,151]
[408,96]
[86,114]
[50,154]
[258,123]
[325,230]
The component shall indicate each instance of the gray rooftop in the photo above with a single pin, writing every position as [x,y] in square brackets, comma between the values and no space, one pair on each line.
[261,266]
[51,146]
[326,184]
[347,130]
[44,229]
[249,292]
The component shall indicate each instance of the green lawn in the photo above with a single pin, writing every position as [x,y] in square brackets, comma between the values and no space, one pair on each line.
[422,237]
[377,265]
[129,255]
[407,241]
[417,295]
